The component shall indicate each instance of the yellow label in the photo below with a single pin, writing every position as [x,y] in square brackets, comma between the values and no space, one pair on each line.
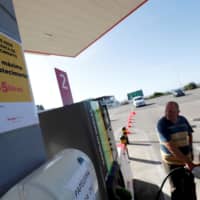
[14,83]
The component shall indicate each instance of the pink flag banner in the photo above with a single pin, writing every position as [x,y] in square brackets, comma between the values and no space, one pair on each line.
[64,87]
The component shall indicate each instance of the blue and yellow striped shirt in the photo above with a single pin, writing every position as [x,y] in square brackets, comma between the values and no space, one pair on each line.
[178,134]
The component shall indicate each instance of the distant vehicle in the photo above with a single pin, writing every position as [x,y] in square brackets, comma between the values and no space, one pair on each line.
[178,93]
[110,101]
[139,101]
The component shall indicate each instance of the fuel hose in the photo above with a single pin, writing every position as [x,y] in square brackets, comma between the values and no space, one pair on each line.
[165,179]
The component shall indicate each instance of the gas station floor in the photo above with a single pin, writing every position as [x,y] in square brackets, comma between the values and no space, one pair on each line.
[147,170]
[145,160]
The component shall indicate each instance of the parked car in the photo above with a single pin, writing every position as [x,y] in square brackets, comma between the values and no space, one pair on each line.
[178,93]
[139,101]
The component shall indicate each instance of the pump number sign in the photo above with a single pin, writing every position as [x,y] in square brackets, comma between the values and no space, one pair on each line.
[16,103]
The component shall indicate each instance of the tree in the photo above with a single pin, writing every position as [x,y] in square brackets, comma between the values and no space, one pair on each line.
[190,86]
[157,94]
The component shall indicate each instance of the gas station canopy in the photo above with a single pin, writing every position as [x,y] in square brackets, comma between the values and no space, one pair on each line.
[67,27]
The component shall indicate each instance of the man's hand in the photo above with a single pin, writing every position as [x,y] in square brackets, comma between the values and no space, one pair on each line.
[179,155]
[191,165]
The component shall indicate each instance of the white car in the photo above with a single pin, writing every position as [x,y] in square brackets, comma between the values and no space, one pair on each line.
[139,101]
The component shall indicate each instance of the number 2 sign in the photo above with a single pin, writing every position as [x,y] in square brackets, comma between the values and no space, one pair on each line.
[64,87]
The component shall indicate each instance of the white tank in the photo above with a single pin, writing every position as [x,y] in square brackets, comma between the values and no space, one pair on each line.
[69,175]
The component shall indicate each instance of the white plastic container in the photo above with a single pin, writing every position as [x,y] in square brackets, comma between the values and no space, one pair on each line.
[70,175]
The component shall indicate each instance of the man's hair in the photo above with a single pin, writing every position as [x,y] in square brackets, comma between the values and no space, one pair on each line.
[174,103]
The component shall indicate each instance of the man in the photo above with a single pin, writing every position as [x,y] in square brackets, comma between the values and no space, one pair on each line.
[175,135]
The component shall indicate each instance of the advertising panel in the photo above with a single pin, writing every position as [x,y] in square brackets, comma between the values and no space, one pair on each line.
[17,108]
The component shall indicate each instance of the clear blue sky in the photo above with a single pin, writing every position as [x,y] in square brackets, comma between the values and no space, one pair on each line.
[157,48]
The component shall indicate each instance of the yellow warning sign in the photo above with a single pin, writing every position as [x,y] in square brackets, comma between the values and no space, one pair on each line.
[14,82]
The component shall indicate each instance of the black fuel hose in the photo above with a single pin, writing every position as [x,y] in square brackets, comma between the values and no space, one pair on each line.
[170,173]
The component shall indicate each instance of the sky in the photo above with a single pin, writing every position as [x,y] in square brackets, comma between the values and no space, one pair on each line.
[156,49]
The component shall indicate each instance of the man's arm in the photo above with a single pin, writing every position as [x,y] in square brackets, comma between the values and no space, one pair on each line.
[179,155]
